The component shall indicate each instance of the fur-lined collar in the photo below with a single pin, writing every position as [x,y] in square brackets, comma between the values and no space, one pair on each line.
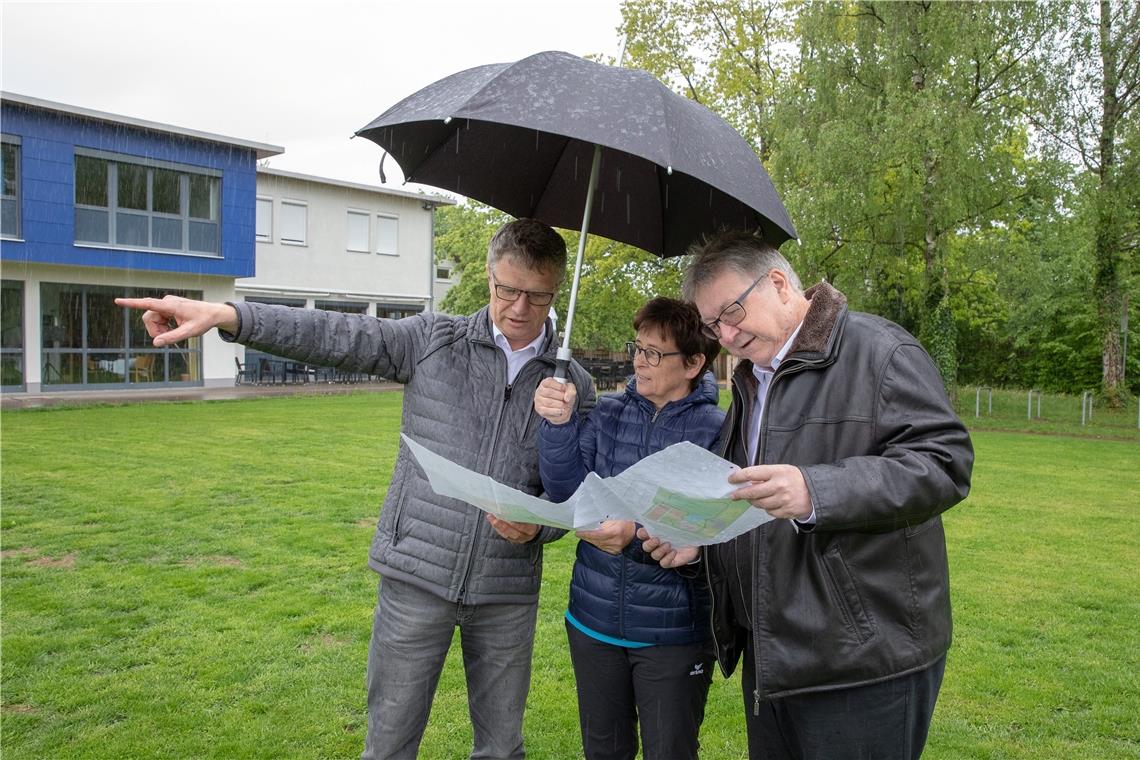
[826,306]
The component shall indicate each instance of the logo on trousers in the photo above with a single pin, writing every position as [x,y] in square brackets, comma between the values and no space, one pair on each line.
[698,669]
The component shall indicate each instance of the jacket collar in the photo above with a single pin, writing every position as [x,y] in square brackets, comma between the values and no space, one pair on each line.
[820,332]
[706,392]
[480,330]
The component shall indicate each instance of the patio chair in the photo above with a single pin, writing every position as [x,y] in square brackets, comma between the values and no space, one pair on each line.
[141,368]
[299,372]
[244,374]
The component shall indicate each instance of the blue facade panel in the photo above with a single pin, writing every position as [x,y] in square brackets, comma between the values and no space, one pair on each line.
[48,141]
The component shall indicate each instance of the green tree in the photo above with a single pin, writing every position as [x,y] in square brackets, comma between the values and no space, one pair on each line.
[911,135]
[1097,79]
[890,129]
[616,279]
[462,234]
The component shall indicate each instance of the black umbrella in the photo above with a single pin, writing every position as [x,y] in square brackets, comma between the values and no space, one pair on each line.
[571,142]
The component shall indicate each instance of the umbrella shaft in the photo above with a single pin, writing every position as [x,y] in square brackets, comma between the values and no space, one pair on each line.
[594,167]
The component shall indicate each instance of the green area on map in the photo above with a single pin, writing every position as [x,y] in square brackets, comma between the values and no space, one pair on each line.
[699,517]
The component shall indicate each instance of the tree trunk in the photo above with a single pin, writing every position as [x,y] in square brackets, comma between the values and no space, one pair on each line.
[938,332]
[1106,280]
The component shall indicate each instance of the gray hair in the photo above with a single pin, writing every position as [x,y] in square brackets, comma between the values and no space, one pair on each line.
[533,244]
[736,251]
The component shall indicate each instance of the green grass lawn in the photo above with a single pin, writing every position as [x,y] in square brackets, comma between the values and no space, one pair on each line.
[189,581]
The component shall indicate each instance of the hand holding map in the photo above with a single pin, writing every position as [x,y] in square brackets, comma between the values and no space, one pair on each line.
[679,494]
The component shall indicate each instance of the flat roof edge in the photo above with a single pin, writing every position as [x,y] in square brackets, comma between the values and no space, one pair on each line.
[261,150]
[441,200]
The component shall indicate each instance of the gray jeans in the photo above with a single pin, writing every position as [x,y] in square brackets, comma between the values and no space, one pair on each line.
[411,634]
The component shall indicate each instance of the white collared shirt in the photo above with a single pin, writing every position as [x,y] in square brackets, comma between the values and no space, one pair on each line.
[516,359]
[763,377]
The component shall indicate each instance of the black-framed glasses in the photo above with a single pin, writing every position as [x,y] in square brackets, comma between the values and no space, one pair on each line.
[730,315]
[533,297]
[652,355]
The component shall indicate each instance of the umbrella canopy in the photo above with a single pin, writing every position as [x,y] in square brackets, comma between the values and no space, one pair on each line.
[521,137]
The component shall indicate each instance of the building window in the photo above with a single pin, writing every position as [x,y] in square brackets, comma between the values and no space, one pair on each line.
[10,192]
[442,272]
[397,310]
[264,222]
[11,334]
[294,222]
[357,232]
[152,206]
[346,307]
[387,229]
[89,341]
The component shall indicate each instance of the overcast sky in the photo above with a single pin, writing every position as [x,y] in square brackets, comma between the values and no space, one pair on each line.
[301,75]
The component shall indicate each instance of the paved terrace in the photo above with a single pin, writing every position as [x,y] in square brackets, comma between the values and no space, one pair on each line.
[78,398]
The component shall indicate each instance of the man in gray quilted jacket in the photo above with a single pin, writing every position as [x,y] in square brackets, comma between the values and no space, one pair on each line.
[469,383]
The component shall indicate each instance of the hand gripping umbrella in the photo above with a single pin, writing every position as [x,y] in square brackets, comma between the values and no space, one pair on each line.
[571,142]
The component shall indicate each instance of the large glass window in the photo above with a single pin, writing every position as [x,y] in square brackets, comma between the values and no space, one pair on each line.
[397,310]
[88,340]
[347,307]
[10,188]
[142,206]
[11,334]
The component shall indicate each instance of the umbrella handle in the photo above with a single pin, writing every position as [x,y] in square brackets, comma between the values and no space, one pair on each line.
[562,364]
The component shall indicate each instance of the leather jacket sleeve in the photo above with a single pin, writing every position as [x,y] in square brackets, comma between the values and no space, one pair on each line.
[922,456]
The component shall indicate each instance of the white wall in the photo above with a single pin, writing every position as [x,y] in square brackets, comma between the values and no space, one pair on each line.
[324,268]
[441,286]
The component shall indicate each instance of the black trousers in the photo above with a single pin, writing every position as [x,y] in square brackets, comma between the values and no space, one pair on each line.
[662,687]
[882,721]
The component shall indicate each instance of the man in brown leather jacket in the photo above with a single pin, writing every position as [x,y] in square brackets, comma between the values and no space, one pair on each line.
[842,428]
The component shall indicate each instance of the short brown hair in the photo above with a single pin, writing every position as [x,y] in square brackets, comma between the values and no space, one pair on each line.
[532,244]
[682,322]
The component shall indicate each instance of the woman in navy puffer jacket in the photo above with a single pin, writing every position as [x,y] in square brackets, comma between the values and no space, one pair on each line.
[639,633]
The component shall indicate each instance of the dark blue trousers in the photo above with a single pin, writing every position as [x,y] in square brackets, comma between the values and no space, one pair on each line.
[882,721]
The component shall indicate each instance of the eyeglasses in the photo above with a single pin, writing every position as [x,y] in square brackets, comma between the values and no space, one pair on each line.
[730,315]
[533,297]
[652,355]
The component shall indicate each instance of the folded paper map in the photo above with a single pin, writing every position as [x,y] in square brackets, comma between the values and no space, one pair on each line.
[680,494]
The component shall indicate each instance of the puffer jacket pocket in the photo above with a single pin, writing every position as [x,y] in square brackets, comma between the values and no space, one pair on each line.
[846,594]
[398,502]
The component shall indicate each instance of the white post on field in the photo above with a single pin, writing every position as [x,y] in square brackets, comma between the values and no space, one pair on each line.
[1029,404]
[978,400]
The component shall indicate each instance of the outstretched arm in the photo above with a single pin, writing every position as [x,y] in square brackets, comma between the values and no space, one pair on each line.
[190,318]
